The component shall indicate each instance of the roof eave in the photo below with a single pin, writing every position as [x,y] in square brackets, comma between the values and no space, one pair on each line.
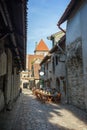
[60,42]
[72,5]
[45,59]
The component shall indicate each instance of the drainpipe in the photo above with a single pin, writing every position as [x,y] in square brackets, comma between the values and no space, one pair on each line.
[61,28]
[67,96]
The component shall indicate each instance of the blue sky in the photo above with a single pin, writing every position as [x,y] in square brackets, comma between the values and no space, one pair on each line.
[43,16]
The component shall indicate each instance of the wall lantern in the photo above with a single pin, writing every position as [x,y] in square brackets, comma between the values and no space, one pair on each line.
[41,73]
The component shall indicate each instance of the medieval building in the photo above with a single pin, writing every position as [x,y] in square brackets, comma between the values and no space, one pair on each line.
[12,49]
[53,65]
[76,45]
[31,75]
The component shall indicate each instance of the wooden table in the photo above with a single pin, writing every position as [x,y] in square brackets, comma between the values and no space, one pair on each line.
[44,97]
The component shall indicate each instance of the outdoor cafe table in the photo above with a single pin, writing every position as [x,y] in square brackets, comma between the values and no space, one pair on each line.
[43,96]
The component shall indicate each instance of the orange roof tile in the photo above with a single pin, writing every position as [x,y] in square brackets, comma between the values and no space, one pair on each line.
[41,46]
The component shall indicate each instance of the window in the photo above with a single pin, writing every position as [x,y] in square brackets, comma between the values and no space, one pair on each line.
[32,71]
[47,66]
[56,60]
[58,84]
[53,65]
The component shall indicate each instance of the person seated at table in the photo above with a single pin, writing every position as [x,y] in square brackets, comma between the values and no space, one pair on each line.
[48,90]
[41,90]
[54,92]
[56,96]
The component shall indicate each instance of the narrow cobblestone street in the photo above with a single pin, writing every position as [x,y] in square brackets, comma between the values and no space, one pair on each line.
[30,114]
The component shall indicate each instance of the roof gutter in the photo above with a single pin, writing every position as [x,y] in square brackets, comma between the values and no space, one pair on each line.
[65,15]
[71,6]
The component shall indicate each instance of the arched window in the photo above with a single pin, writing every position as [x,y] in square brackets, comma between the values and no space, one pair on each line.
[58,84]
[53,65]
[56,60]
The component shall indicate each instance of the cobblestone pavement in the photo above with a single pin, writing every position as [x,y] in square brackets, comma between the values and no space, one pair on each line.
[30,114]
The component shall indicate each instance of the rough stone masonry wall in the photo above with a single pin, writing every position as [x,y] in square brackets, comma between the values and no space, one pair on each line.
[75,86]
[3,64]
[16,82]
[9,77]
[15,85]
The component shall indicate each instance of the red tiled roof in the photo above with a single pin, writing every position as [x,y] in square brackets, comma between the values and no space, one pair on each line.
[41,46]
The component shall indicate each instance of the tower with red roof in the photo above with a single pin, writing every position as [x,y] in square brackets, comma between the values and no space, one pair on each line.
[41,48]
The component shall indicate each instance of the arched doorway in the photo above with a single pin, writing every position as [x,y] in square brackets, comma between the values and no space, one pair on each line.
[58,84]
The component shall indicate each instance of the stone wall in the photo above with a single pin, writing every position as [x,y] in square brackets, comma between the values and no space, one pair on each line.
[84,45]
[75,88]
[16,81]
[58,77]
[3,71]
[9,77]
[1,100]
[9,80]
[77,65]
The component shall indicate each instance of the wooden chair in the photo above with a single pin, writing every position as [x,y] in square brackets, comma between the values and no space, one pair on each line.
[57,98]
